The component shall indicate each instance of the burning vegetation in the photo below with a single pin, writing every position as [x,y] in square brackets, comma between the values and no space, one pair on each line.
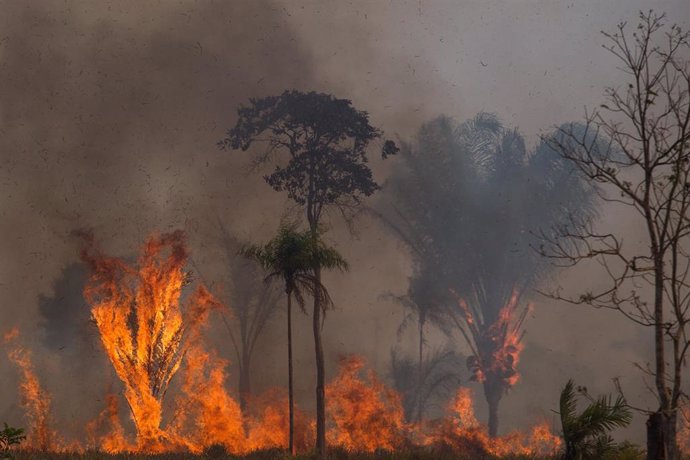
[482,215]
[150,318]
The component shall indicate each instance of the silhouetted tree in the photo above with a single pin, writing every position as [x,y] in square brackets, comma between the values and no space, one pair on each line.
[323,141]
[465,200]
[424,307]
[253,303]
[292,257]
[428,385]
[644,166]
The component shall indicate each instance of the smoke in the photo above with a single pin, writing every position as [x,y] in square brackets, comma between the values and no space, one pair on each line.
[110,114]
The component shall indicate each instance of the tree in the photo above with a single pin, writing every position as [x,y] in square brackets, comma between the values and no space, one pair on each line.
[253,303]
[145,323]
[427,386]
[644,167]
[586,435]
[326,141]
[292,257]
[425,307]
[465,200]
[10,437]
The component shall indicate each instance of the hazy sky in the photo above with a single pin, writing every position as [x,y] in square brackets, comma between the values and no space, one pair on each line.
[111,111]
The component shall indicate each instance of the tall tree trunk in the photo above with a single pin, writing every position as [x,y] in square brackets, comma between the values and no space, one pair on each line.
[420,371]
[245,382]
[493,391]
[291,400]
[661,436]
[320,377]
[661,425]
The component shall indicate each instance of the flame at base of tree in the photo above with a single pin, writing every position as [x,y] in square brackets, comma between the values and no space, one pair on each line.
[461,432]
[267,424]
[150,336]
[35,399]
[365,416]
[143,328]
[106,433]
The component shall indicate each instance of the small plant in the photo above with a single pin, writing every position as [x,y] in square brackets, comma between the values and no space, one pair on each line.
[586,435]
[9,437]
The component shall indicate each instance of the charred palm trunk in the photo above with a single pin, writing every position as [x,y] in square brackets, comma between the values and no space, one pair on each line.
[493,392]
[420,371]
[291,400]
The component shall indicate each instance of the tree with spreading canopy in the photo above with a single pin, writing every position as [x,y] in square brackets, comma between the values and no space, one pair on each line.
[319,145]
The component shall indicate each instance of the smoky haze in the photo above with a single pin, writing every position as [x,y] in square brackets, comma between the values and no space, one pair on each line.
[110,114]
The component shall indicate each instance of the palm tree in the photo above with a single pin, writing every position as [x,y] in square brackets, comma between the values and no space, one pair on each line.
[467,200]
[586,435]
[425,307]
[293,256]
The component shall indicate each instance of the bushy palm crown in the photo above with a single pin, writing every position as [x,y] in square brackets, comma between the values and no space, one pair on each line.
[293,255]
[586,434]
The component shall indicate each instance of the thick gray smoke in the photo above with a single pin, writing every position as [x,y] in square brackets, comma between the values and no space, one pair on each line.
[110,114]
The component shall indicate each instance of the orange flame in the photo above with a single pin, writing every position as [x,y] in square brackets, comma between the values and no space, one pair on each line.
[216,416]
[496,347]
[114,440]
[269,427]
[463,433]
[35,400]
[149,336]
[143,327]
[366,417]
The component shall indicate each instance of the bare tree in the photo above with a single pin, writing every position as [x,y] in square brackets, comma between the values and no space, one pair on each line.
[253,303]
[643,165]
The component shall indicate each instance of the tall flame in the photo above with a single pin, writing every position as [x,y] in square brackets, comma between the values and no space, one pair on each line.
[150,335]
[365,416]
[463,433]
[35,400]
[143,327]
[268,426]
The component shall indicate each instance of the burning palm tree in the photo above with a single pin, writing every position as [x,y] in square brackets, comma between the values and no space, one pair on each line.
[496,344]
[143,325]
[467,200]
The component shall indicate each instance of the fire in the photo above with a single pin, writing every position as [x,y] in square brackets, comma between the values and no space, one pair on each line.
[365,417]
[216,417]
[463,433]
[35,400]
[143,326]
[151,334]
[268,427]
[496,347]
[114,439]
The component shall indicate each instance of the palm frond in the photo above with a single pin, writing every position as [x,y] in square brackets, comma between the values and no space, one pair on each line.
[294,256]
[587,435]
